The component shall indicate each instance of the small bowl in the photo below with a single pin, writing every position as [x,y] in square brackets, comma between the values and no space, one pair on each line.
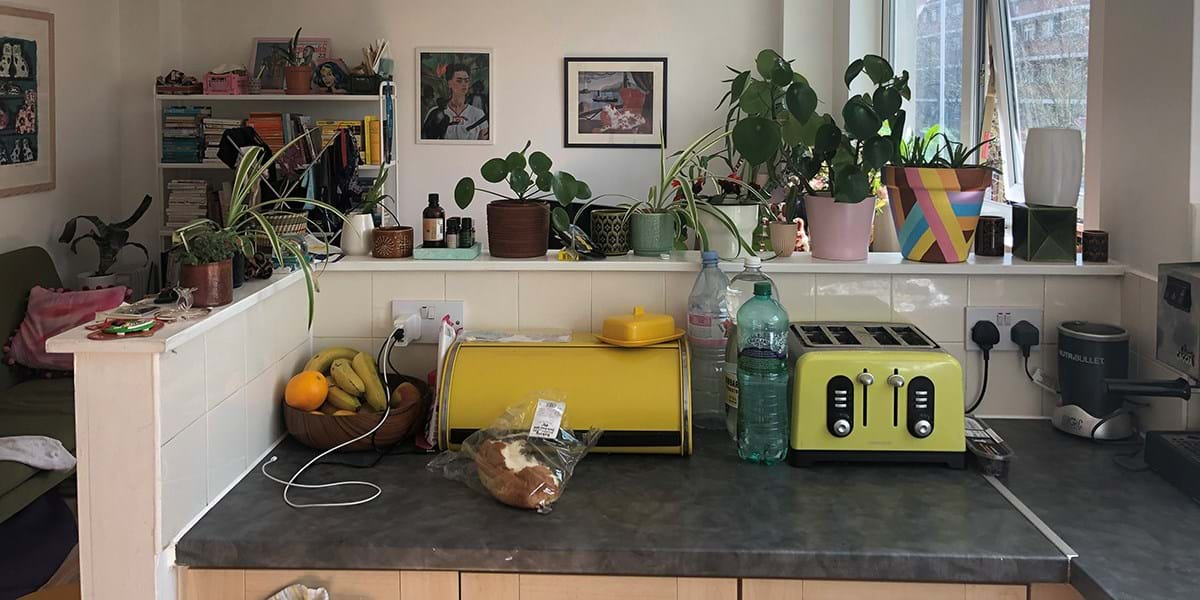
[639,329]
[392,242]
[322,432]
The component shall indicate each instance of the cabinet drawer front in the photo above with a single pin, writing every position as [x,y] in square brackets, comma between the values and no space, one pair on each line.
[357,585]
[584,587]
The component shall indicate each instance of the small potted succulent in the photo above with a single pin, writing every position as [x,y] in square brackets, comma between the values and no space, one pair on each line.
[297,71]
[519,223]
[938,191]
[110,239]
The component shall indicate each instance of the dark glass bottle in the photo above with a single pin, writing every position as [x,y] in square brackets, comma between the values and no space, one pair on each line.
[466,233]
[452,232]
[433,221]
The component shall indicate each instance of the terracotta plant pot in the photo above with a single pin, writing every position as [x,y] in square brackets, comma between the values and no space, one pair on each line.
[518,229]
[839,230]
[392,242]
[783,237]
[213,283]
[936,210]
[297,80]
[653,233]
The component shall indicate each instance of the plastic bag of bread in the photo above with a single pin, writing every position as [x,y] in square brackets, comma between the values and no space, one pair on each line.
[525,457]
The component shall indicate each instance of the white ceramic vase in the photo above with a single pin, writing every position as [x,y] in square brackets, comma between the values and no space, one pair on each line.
[720,239]
[356,235]
[1053,166]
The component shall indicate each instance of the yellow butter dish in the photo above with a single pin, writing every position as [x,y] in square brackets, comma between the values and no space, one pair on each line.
[639,329]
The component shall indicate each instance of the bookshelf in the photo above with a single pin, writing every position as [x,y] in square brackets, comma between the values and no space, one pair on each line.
[321,106]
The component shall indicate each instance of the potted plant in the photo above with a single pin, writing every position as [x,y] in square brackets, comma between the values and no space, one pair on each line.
[840,218]
[936,195]
[357,235]
[519,223]
[297,72]
[207,265]
[110,239]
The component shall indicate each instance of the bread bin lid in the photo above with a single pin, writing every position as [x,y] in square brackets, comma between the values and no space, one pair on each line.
[640,326]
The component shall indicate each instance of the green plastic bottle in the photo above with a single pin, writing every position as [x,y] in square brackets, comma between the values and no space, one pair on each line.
[762,423]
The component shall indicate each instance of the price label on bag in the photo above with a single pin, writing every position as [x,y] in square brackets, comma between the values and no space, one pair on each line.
[547,419]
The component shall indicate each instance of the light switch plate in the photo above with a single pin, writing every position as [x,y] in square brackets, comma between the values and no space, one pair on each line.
[1004,317]
[431,312]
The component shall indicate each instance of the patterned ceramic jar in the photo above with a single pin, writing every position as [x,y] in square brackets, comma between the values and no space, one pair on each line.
[610,232]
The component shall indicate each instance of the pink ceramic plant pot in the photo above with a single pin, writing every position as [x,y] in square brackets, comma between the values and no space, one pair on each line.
[839,230]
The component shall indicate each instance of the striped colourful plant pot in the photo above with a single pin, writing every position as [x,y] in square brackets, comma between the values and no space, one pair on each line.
[936,210]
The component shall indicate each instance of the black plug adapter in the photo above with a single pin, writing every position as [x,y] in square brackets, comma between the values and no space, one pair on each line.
[986,335]
[1025,335]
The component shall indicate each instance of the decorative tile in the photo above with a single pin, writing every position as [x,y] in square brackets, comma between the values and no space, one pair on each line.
[554,300]
[934,304]
[618,293]
[1075,298]
[796,294]
[1017,290]
[227,440]
[1010,393]
[184,479]
[490,298]
[386,287]
[182,383]
[343,307]
[853,298]
[224,359]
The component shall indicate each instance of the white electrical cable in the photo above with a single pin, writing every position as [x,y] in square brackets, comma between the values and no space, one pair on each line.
[384,351]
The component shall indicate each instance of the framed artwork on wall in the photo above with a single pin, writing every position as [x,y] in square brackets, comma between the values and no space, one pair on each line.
[26,101]
[454,96]
[269,59]
[614,102]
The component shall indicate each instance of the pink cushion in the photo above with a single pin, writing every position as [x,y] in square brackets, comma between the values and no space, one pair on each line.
[51,313]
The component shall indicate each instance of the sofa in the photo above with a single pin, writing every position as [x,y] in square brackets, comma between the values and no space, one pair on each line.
[36,526]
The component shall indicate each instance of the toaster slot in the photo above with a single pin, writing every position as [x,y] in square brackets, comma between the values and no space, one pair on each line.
[882,336]
[844,336]
[814,335]
[920,407]
[839,406]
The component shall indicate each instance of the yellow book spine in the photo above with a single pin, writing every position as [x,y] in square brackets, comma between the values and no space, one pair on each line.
[367,141]
[376,141]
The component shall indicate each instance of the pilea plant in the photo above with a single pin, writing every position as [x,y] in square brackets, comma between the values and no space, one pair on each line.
[530,180]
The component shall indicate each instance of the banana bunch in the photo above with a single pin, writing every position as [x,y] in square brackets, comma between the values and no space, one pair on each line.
[354,382]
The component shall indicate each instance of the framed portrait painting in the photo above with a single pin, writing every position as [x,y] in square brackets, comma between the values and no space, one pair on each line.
[614,102]
[26,101]
[270,57]
[454,96]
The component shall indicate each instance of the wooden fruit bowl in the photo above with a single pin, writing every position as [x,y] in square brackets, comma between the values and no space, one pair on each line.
[322,432]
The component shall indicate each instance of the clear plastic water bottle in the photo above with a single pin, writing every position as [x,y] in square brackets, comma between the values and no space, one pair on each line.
[741,289]
[762,378]
[708,321]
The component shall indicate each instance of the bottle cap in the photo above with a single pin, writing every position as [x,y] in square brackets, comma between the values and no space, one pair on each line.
[433,198]
[762,288]
[709,257]
[752,262]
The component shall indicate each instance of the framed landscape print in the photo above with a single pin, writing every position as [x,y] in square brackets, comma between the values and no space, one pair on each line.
[614,102]
[26,101]
[270,58]
[454,96]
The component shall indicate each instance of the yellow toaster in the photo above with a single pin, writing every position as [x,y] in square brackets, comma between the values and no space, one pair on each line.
[873,392]
[639,397]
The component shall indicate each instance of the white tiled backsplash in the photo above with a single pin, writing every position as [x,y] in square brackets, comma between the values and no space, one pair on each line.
[581,301]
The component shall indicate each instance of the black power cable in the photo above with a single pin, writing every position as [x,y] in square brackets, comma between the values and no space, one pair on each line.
[986,335]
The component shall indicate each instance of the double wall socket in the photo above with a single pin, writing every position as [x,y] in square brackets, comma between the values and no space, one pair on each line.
[431,312]
[1004,318]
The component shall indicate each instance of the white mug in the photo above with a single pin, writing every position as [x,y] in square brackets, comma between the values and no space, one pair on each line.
[356,235]
[1053,166]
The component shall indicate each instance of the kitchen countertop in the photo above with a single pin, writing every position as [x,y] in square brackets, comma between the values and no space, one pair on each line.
[707,515]
[1136,535]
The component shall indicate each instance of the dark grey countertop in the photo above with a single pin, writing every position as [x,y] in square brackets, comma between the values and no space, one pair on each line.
[1137,536]
[707,515]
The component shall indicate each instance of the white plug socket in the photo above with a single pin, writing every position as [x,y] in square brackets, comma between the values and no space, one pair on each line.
[429,313]
[1004,318]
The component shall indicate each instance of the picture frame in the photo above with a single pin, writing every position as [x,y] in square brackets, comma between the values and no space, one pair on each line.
[264,54]
[331,76]
[27,144]
[614,102]
[438,90]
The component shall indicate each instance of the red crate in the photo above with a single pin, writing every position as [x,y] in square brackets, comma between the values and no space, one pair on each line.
[227,84]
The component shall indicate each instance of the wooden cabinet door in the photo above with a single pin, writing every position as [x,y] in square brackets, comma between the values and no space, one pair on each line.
[772,589]
[427,585]
[489,586]
[1053,591]
[587,587]
[358,585]
[203,584]
[696,588]
[784,589]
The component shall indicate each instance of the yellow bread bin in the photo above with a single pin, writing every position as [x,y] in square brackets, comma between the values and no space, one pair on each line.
[640,396]
[639,329]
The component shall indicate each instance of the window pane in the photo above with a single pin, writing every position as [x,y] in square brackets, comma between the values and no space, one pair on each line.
[928,42]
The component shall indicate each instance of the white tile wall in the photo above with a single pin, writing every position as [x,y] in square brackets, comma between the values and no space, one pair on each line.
[386,287]
[619,293]
[992,290]
[935,304]
[676,288]
[290,308]
[225,359]
[548,300]
[1096,299]
[797,293]
[853,297]
[1009,392]
[184,479]
[183,388]
[343,306]
[264,410]
[227,440]
[491,298]
[260,325]
[1145,315]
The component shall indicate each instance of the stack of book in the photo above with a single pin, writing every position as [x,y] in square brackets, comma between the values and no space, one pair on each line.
[213,130]
[269,127]
[183,141]
[187,200]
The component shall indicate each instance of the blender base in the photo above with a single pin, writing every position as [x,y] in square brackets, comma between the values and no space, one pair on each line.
[1072,419]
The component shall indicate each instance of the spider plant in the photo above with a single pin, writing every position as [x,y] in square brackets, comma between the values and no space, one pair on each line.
[247,218]
[375,196]
[920,150]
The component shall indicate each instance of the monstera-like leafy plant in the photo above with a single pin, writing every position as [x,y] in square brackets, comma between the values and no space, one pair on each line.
[109,238]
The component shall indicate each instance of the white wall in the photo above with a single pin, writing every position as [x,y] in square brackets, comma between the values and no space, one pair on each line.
[529,40]
[87,76]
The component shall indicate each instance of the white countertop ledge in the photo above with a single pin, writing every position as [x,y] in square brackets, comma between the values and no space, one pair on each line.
[877,263]
[173,335]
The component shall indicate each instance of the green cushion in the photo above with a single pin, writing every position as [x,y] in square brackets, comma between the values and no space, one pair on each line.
[20,270]
[37,407]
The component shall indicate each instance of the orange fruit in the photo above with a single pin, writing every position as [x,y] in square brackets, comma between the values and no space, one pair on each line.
[306,390]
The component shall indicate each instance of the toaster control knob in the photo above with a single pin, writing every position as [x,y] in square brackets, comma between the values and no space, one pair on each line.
[895,380]
[841,428]
[922,428]
[866,378]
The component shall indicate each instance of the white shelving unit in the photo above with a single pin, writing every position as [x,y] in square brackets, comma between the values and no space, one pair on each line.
[321,106]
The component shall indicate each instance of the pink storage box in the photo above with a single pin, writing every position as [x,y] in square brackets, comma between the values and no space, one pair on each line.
[228,84]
